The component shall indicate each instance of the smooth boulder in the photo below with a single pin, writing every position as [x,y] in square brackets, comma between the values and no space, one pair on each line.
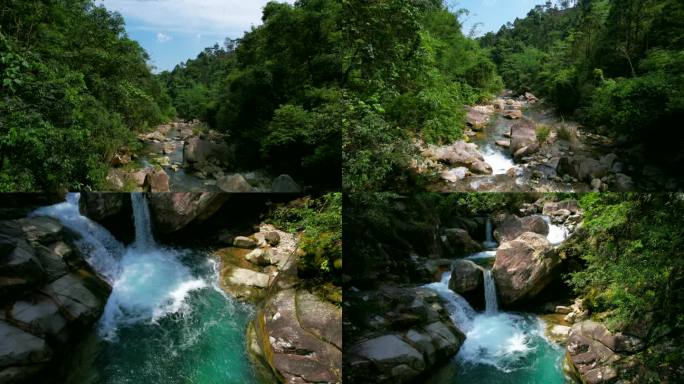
[467,280]
[524,267]
[460,154]
[172,212]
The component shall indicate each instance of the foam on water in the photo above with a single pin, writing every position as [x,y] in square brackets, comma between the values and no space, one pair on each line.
[482,255]
[499,161]
[557,233]
[100,249]
[148,281]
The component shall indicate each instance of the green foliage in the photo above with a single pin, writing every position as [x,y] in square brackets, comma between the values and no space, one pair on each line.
[542,131]
[320,223]
[275,91]
[409,71]
[618,63]
[632,271]
[73,88]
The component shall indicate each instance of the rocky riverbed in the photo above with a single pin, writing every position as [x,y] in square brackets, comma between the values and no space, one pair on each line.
[188,157]
[483,299]
[519,144]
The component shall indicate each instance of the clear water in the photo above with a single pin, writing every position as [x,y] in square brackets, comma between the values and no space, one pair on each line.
[500,347]
[166,320]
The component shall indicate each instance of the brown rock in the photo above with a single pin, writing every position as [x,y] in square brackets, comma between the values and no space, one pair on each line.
[524,267]
[172,212]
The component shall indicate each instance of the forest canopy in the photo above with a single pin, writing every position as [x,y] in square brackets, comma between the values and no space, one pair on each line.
[74,88]
[616,65]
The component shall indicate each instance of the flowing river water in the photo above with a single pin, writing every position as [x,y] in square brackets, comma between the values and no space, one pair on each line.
[166,320]
[500,347]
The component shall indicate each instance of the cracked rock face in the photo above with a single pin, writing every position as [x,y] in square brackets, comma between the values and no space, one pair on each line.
[49,295]
[299,335]
[596,354]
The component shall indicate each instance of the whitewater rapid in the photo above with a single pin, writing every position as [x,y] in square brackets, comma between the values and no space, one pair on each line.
[148,281]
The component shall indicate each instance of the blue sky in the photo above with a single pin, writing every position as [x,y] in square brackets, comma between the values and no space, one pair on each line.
[492,13]
[172,31]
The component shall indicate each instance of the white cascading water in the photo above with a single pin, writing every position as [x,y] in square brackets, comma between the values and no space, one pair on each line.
[100,249]
[491,302]
[148,281]
[498,339]
[499,161]
[557,233]
[489,242]
[153,282]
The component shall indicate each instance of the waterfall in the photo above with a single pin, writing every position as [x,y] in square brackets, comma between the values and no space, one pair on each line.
[141,219]
[497,339]
[148,281]
[100,249]
[557,233]
[489,238]
[491,304]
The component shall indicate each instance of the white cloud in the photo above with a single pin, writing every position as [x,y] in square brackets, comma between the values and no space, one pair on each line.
[162,38]
[192,16]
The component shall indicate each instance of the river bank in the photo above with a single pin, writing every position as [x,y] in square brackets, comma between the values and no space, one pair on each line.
[189,157]
[519,144]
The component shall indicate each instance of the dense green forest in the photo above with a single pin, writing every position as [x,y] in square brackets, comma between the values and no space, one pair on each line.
[615,65]
[408,71]
[275,91]
[74,88]
[71,78]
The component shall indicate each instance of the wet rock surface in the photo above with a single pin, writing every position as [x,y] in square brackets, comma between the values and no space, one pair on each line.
[296,333]
[403,334]
[50,298]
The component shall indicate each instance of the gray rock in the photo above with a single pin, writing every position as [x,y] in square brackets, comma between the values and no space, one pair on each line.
[21,348]
[285,184]
[244,242]
[75,299]
[259,257]
[40,314]
[272,238]
[234,183]
[388,351]
[242,276]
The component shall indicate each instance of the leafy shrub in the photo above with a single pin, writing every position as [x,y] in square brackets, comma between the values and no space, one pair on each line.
[542,132]
[320,223]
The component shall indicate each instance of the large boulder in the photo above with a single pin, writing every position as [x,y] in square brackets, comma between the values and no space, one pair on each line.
[299,336]
[467,280]
[477,118]
[524,267]
[198,151]
[102,206]
[234,184]
[285,184]
[400,334]
[172,212]
[460,154]
[511,226]
[596,354]
[157,181]
[46,291]
[523,138]
[584,168]
[460,242]
[21,348]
